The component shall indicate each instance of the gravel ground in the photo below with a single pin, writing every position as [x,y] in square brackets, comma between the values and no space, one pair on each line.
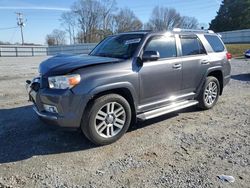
[189,148]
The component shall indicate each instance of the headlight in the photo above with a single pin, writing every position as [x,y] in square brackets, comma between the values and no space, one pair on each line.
[64,82]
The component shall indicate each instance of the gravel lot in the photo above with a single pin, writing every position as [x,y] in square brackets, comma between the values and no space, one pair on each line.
[189,148]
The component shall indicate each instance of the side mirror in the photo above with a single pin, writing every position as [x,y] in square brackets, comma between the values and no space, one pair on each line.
[150,56]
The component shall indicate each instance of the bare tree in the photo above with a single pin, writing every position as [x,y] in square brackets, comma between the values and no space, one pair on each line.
[95,18]
[108,8]
[163,18]
[189,23]
[88,15]
[50,40]
[126,20]
[80,37]
[69,22]
[57,37]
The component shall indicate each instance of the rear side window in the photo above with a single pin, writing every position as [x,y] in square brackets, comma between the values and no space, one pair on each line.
[215,43]
[191,46]
[164,45]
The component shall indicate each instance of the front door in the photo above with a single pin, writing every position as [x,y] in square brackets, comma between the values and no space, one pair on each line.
[161,79]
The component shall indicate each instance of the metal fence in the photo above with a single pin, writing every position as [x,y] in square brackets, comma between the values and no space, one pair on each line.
[25,51]
[22,51]
[71,49]
[237,36]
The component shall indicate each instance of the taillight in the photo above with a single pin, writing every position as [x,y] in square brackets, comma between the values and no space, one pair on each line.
[229,56]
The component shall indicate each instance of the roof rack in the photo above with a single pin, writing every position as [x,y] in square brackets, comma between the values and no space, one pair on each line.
[142,30]
[138,31]
[193,30]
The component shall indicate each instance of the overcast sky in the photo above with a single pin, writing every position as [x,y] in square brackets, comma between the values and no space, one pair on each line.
[43,16]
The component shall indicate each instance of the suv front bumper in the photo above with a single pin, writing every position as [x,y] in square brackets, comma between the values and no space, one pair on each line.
[69,105]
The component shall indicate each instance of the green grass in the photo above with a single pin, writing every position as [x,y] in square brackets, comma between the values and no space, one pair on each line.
[237,50]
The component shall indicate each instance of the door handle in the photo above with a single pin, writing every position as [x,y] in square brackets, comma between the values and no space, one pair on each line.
[204,62]
[177,66]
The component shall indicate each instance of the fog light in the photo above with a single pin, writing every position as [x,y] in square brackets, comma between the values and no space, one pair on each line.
[50,108]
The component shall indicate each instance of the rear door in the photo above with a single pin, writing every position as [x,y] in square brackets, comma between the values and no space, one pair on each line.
[195,62]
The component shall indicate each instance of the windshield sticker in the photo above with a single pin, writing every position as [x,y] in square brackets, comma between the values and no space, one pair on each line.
[132,41]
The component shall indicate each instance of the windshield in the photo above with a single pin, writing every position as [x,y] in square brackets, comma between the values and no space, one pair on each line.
[119,46]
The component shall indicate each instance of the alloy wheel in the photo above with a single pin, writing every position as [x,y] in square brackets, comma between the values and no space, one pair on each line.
[110,119]
[211,93]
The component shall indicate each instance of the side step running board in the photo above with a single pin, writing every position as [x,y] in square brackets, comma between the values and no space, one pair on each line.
[167,109]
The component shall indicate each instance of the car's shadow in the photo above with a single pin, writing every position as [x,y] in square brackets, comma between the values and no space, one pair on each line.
[23,135]
[241,77]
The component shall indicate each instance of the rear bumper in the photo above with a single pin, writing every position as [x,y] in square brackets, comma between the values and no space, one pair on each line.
[70,106]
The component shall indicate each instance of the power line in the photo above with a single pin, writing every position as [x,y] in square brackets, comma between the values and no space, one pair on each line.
[13,35]
[6,28]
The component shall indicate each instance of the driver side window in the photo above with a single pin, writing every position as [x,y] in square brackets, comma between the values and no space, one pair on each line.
[166,46]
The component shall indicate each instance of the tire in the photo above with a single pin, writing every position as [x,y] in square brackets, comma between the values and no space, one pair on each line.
[106,119]
[209,93]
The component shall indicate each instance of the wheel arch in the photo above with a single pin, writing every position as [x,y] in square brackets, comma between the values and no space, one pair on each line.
[219,75]
[123,89]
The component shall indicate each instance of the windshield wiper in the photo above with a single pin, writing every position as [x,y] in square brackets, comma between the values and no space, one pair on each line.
[109,55]
[103,55]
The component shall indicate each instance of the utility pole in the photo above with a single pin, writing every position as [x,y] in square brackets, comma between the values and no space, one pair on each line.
[20,23]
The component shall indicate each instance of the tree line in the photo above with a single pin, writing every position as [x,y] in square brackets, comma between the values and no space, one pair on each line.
[232,15]
[92,20]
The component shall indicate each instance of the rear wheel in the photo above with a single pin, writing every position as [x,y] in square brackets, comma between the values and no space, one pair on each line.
[106,119]
[209,94]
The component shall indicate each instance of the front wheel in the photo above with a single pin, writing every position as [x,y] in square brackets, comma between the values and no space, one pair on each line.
[209,93]
[106,119]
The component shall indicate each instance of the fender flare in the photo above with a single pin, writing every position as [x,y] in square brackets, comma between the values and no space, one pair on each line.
[112,86]
[209,70]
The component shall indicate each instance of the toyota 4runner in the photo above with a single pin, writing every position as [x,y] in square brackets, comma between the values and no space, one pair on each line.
[131,76]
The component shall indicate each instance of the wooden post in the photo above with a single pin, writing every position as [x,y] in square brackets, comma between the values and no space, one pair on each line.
[16,51]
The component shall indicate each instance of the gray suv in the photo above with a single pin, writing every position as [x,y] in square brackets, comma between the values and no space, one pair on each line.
[128,77]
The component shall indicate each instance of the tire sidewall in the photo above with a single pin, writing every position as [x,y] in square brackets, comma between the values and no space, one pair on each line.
[208,80]
[97,105]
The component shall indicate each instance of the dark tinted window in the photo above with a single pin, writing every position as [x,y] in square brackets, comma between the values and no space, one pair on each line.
[191,46]
[215,43]
[164,45]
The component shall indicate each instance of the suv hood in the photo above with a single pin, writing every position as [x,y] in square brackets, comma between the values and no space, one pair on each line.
[62,64]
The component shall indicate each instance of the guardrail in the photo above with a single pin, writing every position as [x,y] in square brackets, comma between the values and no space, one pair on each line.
[22,51]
